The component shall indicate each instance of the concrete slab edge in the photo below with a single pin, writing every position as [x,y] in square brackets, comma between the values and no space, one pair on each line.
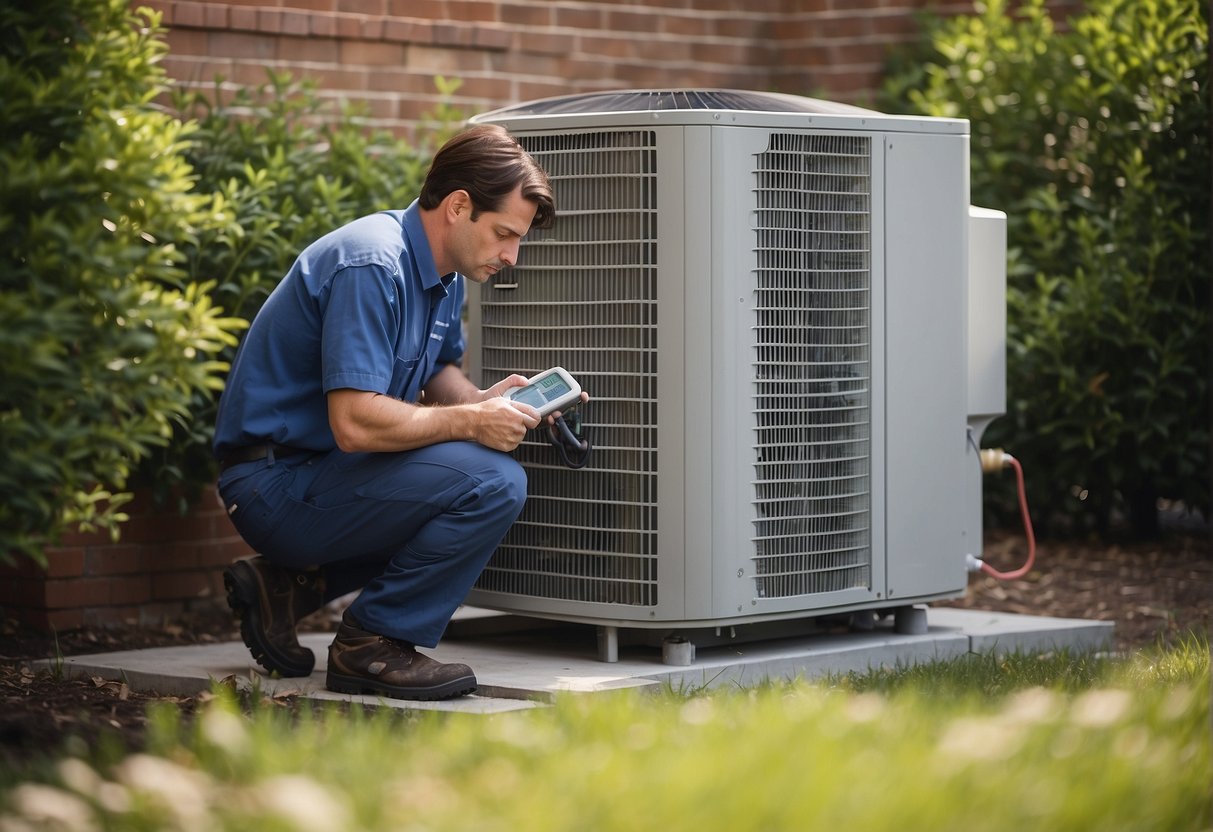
[953,633]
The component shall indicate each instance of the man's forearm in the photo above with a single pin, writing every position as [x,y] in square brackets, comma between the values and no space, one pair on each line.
[363,421]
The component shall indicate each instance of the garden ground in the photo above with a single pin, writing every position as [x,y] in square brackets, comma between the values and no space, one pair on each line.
[1154,592]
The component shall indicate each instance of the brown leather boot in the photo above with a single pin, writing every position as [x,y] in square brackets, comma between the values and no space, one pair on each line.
[269,601]
[363,662]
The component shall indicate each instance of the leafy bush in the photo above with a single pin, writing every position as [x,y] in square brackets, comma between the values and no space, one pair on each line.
[103,340]
[1095,141]
[284,167]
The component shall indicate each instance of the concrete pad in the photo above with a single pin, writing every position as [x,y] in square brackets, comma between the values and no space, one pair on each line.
[1001,632]
[520,667]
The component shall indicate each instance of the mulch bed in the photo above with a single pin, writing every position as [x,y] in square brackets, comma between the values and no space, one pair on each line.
[1154,592]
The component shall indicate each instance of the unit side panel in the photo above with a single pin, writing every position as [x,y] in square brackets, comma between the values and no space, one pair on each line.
[805,361]
[926,213]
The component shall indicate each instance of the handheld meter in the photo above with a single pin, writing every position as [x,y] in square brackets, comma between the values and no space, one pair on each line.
[552,389]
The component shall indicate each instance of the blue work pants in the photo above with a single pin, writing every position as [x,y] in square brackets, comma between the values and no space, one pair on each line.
[412,529]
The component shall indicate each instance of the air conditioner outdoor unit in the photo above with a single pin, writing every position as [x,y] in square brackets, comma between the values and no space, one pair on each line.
[768,299]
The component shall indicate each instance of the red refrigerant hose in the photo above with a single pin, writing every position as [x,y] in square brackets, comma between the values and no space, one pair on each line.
[993,460]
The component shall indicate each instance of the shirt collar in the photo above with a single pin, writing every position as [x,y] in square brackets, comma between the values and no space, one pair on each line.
[423,255]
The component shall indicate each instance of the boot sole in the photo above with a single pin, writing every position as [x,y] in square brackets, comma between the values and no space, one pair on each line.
[244,598]
[339,683]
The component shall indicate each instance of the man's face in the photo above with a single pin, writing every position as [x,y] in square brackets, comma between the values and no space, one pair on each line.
[482,247]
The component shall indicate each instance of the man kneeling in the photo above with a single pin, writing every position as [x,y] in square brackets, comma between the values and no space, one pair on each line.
[355,454]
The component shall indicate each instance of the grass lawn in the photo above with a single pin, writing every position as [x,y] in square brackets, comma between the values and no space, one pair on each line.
[1025,742]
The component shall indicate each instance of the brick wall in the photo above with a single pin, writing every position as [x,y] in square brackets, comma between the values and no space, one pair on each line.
[388,52]
[164,566]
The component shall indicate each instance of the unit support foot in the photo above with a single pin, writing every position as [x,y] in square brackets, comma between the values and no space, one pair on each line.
[677,651]
[910,621]
[608,644]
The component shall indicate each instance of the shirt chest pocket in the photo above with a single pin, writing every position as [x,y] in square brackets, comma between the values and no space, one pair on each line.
[415,357]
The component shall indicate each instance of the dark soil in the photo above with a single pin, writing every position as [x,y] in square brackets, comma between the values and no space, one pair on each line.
[1155,593]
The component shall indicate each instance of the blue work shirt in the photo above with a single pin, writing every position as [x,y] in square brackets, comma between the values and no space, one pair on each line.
[364,308]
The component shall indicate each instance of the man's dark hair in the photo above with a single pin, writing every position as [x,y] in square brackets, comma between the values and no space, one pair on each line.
[489,164]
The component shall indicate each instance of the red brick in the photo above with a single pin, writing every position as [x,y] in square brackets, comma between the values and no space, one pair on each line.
[526,14]
[488,89]
[68,593]
[414,108]
[372,27]
[314,50]
[733,55]
[248,73]
[60,621]
[83,538]
[323,25]
[216,16]
[851,54]
[372,54]
[529,91]
[318,7]
[451,62]
[243,19]
[367,7]
[295,23]
[189,14]
[451,34]
[350,25]
[119,559]
[332,77]
[747,28]
[269,21]
[629,21]
[406,31]
[532,66]
[176,585]
[578,18]
[130,590]
[241,46]
[606,47]
[472,10]
[486,37]
[67,562]
[554,43]
[187,42]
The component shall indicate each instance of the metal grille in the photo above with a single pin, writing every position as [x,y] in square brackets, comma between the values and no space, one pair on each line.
[812,396]
[584,296]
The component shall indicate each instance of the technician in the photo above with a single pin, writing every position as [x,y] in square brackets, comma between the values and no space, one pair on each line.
[354,452]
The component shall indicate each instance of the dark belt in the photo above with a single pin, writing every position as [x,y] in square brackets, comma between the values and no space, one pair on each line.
[252,453]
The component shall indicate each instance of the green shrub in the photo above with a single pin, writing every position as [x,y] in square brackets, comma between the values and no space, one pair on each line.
[102,339]
[1095,141]
[284,167]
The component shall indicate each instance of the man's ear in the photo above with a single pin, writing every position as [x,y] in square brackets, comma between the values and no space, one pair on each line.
[458,203]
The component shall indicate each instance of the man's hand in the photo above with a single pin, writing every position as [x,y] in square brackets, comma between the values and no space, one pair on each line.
[503,424]
[500,387]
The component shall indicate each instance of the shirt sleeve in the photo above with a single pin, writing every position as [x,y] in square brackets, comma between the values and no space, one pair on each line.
[360,329]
